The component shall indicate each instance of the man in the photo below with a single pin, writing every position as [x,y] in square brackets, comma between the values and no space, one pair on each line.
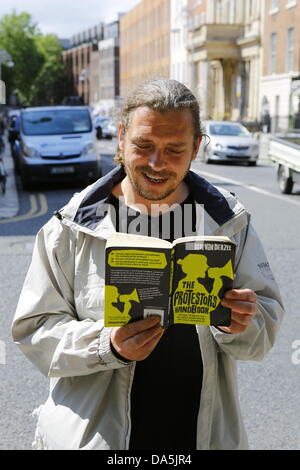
[138,386]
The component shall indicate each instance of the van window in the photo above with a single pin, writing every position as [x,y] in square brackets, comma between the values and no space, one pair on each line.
[53,122]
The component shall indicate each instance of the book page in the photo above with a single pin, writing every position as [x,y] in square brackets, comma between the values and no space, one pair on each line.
[128,239]
[137,284]
[203,271]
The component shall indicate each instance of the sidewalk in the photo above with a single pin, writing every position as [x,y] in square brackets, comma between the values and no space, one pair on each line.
[9,202]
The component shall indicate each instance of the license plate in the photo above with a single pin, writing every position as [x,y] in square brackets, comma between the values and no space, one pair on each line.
[59,170]
[237,156]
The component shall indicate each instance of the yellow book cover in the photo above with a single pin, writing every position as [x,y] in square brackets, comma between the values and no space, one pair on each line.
[181,282]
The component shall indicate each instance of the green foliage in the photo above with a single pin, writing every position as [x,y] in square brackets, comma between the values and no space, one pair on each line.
[38,69]
[46,89]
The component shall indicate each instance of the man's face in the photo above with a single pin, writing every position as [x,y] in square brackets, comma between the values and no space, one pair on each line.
[158,149]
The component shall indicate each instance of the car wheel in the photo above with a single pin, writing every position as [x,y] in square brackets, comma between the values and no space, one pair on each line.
[252,163]
[17,166]
[285,182]
[25,182]
[206,158]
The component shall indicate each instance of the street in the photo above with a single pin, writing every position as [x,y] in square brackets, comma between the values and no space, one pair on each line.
[268,390]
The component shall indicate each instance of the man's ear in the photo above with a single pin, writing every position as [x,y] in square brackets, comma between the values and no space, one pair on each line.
[196,147]
[121,136]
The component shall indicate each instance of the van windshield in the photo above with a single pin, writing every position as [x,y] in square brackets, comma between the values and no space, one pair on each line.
[53,122]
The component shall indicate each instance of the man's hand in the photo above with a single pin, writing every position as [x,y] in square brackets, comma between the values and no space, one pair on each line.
[243,309]
[137,340]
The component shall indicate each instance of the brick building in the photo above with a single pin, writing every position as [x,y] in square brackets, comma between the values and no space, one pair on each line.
[145,43]
[280,82]
[77,60]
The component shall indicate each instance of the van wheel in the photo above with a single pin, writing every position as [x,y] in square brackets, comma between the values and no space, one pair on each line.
[25,182]
[285,182]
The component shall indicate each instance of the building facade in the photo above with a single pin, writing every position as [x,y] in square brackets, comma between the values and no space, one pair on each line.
[145,43]
[80,76]
[179,24]
[92,67]
[109,69]
[225,46]
[280,81]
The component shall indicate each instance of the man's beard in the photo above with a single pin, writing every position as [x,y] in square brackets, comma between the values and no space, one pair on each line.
[143,192]
[148,193]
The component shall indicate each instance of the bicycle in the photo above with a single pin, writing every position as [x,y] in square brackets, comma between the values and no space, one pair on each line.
[3,177]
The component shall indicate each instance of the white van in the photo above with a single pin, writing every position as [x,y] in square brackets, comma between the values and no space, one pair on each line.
[56,143]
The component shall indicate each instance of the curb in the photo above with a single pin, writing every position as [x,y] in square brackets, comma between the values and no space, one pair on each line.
[9,202]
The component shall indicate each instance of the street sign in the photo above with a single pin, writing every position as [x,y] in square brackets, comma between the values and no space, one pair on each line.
[2,92]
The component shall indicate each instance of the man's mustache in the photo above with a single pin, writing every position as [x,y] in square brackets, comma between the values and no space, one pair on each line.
[156,174]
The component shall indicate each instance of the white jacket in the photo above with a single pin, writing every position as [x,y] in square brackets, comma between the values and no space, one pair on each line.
[58,325]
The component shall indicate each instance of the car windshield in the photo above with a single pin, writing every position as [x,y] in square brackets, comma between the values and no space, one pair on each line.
[228,129]
[52,122]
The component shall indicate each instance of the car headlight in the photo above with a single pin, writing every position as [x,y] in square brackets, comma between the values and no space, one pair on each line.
[30,151]
[218,146]
[88,149]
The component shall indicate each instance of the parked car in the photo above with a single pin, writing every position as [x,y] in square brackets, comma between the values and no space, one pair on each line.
[105,128]
[56,143]
[229,142]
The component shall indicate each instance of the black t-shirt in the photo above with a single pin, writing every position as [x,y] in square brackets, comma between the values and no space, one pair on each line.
[165,394]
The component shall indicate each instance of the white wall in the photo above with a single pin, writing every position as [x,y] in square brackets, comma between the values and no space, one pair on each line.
[277,86]
[178,41]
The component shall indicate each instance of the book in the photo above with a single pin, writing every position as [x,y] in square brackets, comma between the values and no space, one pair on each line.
[182,282]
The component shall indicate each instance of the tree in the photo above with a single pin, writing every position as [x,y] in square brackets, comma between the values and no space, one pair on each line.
[38,70]
[17,37]
[47,86]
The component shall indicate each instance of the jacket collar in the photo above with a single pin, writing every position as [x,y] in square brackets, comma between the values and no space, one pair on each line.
[88,211]
[88,214]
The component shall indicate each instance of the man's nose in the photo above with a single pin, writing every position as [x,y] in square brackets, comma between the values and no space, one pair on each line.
[157,160]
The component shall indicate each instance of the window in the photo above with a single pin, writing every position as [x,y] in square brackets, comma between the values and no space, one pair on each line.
[274,6]
[290,49]
[273,53]
[290,3]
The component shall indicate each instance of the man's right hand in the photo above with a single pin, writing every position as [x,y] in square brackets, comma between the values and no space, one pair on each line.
[137,340]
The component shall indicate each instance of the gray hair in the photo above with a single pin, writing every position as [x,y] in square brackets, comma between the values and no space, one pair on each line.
[161,95]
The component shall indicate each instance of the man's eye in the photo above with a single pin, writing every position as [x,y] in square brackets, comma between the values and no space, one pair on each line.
[176,152]
[143,147]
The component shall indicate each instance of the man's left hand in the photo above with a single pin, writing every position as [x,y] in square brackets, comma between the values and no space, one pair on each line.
[243,308]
